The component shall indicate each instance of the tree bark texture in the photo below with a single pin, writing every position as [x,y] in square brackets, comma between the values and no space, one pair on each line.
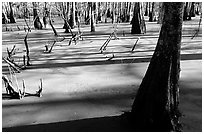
[155,107]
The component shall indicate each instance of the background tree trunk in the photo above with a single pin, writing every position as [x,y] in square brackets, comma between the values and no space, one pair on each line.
[66,13]
[46,15]
[99,12]
[146,9]
[87,15]
[25,10]
[192,10]
[106,11]
[93,21]
[155,107]
[36,18]
[72,16]
[186,15]
[12,20]
[151,13]
[138,22]
[5,19]
[161,13]
[113,12]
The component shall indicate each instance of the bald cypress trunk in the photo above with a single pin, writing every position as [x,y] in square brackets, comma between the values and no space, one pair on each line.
[155,107]
[12,20]
[138,23]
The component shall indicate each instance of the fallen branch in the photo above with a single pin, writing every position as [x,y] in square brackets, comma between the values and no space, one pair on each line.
[10,89]
[113,56]
[50,50]
[52,46]
[75,38]
[11,65]
[37,94]
[103,47]
[10,60]
[105,43]
[197,31]
[18,28]
[135,44]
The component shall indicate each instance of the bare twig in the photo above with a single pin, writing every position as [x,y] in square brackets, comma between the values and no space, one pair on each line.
[135,44]
[111,57]
[10,53]
[27,49]
[52,46]
[196,33]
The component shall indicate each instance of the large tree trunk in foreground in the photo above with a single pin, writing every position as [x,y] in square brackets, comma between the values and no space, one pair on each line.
[155,107]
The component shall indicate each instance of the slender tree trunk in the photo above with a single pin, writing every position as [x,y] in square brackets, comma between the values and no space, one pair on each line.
[87,15]
[155,107]
[128,12]
[5,19]
[93,21]
[146,9]
[192,10]
[12,20]
[66,14]
[72,16]
[25,11]
[186,15]
[151,14]
[46,15]
[106,11]
[99,12]
[96,14]
[27,50]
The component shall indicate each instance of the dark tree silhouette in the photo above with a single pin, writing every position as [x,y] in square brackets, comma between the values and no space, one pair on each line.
[37,23]
[72,20]
[155,107]
[12,20]
[192,10]
[151,13]
[93,21]
[138,24]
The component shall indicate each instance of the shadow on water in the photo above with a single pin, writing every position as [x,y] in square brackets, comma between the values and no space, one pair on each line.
[101,124]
